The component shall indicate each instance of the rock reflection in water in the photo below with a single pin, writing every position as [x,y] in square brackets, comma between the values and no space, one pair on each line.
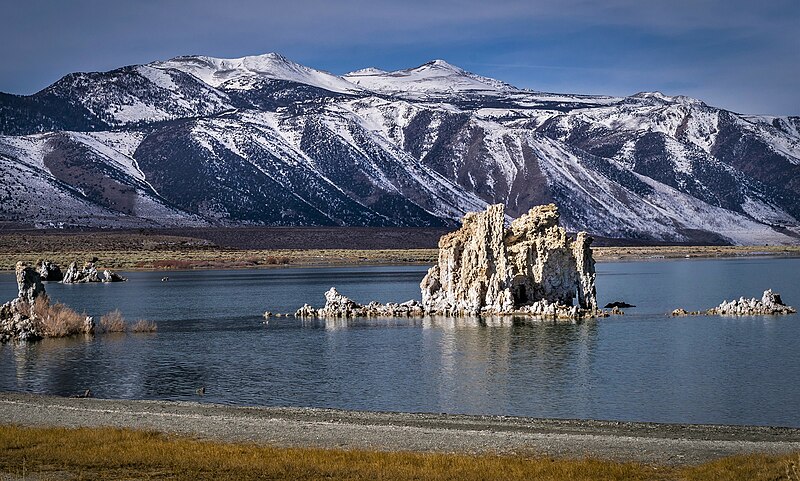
[494,364]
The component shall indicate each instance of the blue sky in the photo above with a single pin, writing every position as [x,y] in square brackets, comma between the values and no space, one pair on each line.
[741,55]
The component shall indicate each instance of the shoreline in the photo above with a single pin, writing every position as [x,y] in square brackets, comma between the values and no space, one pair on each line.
[657,443]
[211,258]
[247,248]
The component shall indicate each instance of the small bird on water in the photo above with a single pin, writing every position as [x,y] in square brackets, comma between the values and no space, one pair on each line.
[201,391]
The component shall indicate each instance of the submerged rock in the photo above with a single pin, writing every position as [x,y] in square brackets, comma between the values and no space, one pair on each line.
[769,304]
[619,305]
[533,267]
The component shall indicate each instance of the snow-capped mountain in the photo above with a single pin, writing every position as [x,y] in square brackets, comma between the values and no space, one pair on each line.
[264,140]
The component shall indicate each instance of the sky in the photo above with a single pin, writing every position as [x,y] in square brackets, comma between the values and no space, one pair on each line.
[743,55]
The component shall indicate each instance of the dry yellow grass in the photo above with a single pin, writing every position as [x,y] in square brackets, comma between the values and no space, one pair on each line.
[793,469]
[106,453]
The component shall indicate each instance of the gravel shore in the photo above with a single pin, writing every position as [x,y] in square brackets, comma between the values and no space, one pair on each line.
[669,444]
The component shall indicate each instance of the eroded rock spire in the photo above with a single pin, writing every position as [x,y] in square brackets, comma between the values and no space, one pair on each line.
[530,267]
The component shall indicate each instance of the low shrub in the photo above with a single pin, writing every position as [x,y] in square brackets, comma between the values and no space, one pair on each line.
[58,320]
[40,307]
[273,260]
[144,326]
[174,264]
[112,322]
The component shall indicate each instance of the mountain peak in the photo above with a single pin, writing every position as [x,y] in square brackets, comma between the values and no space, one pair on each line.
[670,99]
[245,73]
[432,79]
[440,64]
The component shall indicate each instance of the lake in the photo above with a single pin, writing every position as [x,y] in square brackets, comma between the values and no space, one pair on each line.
[643,366]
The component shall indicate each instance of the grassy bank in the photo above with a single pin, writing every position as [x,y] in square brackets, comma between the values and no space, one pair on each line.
[106,453]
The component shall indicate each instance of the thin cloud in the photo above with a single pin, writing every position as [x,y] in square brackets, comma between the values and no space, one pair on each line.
[621,45]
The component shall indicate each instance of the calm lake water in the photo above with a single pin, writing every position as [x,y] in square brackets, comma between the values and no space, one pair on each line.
[643,366]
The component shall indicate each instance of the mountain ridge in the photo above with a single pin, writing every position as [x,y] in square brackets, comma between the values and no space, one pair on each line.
[262,140]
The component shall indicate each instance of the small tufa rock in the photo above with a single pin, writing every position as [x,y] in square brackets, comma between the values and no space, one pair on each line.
[49,271]
[307,311]
[110,276]
[16,321]
[76,275]
[769,304]
[88,325]
[88,273]
[29,282]
[339,306]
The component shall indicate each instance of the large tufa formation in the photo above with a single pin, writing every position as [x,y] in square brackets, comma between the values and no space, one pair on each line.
[530,268]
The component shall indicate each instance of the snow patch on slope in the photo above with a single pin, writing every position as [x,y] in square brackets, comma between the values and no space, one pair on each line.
[784,141]
[695,214]
[116,147]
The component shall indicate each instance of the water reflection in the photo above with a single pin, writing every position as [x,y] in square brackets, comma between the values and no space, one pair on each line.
[641,366]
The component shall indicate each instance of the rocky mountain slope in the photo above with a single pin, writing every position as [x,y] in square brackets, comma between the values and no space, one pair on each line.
[263,140]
